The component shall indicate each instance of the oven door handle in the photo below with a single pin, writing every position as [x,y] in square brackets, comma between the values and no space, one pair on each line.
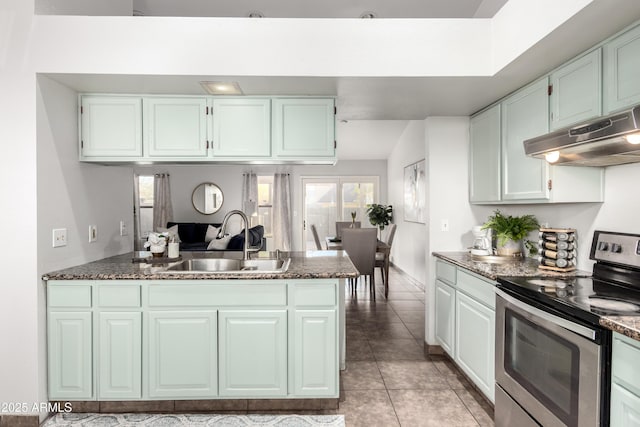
[559,321]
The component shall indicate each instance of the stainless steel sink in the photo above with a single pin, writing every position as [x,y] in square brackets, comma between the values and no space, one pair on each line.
[224,265]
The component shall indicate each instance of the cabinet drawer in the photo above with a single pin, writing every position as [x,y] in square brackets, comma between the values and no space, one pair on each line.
[446,272]
[69,296]
[479,289]
[119,296]
[626,357]
[238,295]
[314,294]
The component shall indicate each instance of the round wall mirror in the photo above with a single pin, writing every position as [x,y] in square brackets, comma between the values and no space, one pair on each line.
[207,198]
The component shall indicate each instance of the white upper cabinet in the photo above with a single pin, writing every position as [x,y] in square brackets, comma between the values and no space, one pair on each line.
[303,127]
[524,115]
[621,71]
[484,156]
[110,126]
[115,128]
[241,127]
[576,91]
[175,127]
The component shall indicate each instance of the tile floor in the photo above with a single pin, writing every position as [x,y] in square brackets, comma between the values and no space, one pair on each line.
[389,381]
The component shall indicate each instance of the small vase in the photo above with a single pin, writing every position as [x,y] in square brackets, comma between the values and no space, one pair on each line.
[510,248]
[157,250]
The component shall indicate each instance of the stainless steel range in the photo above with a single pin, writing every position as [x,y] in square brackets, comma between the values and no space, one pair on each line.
[552,356]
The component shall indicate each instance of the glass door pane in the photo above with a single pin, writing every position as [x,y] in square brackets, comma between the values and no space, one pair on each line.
[355,198]
[320,209]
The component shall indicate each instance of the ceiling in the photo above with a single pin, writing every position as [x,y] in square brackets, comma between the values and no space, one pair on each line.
[321,9]
[370,99]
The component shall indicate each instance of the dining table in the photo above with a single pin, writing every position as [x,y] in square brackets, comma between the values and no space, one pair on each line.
[335,244]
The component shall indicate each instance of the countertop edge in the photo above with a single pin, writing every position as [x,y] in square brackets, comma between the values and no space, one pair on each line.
[625,325]
[526,267]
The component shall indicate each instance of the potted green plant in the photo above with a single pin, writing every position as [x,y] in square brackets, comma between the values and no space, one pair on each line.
[511,232]
[380,215]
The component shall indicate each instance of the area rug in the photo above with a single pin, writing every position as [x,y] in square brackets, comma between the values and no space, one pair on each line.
[197,420]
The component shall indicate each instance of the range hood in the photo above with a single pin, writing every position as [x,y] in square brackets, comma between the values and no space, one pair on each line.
[605,141]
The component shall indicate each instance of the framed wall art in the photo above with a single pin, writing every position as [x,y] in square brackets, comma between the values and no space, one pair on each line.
[415,188]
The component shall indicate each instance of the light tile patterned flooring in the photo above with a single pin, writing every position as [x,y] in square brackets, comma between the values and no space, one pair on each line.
[389,381]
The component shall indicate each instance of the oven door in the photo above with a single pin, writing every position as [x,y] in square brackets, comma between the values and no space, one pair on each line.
[547,364]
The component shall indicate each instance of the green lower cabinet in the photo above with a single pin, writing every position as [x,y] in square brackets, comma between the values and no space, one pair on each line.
[253,353]
[625,382]
[70,356]
[182,354]
[120,355]
[475,339]
[315,353]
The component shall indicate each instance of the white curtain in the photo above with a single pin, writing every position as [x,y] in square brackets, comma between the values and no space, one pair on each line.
[250,194]
[281,212]
[162,209]
[137,243]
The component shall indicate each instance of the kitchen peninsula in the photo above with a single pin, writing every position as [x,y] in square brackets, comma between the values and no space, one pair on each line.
[125,331]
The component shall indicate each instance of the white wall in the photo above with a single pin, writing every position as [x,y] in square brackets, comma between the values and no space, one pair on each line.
[410,242]
[184,178]
[74,195]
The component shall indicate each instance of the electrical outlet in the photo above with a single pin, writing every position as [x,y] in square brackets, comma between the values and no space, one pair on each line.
[444,225]
[123,229]
[59,237]
[93,233]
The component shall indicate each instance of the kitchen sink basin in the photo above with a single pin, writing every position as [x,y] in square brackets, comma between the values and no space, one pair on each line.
[224,265]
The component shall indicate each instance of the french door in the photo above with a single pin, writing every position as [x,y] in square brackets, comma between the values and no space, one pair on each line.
[333,198]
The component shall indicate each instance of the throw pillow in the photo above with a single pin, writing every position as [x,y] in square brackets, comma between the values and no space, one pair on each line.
[219,244]
[171,231]
[212,233]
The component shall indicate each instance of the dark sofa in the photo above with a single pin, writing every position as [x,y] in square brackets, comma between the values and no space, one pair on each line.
[192,236]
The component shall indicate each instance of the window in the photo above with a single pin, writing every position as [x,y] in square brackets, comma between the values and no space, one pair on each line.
[145,188]
[265,203]
[334,198]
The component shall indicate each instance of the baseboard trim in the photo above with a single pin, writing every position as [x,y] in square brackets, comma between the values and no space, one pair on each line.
[19,420]
[204,405]
[409,277]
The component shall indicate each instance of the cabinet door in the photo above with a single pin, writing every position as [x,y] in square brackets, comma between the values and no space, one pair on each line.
[175,127]
[253,353]
[70,356]
[621,71]
[120,355]
[315,353]
[182,354]
[445,316]
[576,91]
[625,407]
[484,156]
[110,126]
[241,127]
[525,114]
[475,343]
[303,127]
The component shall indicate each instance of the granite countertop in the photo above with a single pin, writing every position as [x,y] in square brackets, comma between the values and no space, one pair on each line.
[522,267]
[304,265]
[626,325]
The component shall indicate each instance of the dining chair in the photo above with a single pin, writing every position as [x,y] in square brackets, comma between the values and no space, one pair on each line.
[382,258]
[340,225]
[360,244]
[316,238]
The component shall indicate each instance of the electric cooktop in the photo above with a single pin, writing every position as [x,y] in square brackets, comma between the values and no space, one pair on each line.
[613,289]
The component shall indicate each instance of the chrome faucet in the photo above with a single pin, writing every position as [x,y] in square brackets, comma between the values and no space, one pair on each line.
[223,228]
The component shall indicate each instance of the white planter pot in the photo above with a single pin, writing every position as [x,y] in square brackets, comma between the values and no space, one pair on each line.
[510,248]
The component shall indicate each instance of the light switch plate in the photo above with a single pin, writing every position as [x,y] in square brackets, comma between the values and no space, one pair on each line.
[93,233]
[123,228]
[59,237]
